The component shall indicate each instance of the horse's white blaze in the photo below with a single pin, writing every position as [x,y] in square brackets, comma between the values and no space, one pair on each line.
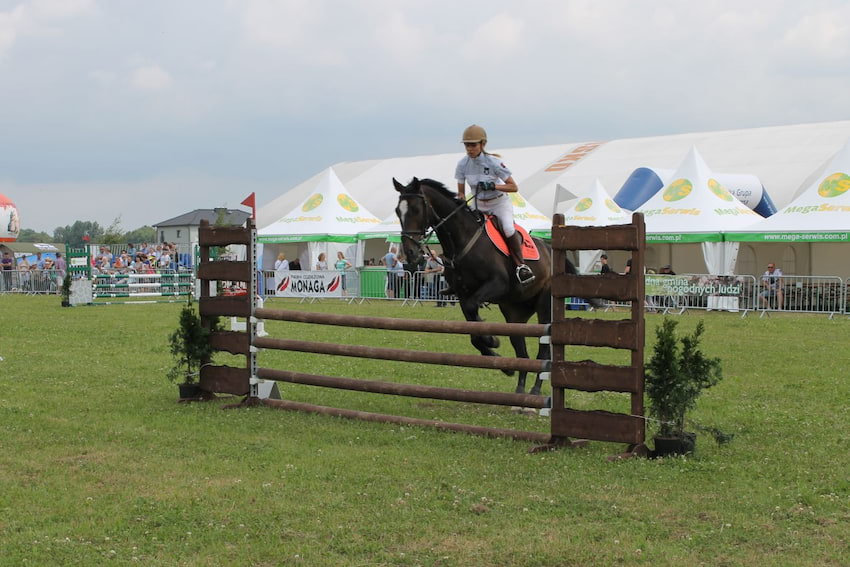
[402,209]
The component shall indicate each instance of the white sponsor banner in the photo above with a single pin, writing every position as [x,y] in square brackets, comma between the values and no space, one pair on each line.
[297,283]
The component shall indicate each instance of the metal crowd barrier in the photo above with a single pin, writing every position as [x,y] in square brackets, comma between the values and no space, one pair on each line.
[363,284]
[30,281]
[682,292]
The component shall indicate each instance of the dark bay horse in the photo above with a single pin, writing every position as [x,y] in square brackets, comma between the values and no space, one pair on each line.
[477,271]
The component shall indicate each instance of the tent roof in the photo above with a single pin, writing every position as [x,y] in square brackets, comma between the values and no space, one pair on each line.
[693,207]
[820,214]
[329,213]
[595,207]
[785,158]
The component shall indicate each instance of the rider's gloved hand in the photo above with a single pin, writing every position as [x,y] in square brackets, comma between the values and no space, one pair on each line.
[486,186]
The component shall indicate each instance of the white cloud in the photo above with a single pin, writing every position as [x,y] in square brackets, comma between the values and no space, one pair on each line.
[499,36]
[60,9]
[402,41]
[37,17]
[279,23]
[823,35]
[151,78]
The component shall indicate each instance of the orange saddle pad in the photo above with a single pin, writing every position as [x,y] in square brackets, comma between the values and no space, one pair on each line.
[529,248]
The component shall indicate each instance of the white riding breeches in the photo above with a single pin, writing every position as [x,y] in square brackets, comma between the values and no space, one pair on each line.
[501,208]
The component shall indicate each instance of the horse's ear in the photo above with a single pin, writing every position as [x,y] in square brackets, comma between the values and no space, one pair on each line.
[398,186]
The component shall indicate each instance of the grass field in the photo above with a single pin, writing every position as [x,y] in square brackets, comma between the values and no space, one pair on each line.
[100,465]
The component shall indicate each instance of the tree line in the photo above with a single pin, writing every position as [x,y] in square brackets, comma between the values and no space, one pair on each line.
[86,232]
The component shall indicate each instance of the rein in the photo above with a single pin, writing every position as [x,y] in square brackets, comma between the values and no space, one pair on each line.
[421,243]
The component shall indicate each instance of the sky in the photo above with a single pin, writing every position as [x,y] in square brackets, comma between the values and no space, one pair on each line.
[136,112]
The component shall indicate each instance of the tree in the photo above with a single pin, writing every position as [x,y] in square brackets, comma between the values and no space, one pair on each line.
[113,234]
[74,235]
[141,234]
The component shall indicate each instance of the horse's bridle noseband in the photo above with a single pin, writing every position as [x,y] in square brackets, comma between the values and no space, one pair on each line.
[426,235]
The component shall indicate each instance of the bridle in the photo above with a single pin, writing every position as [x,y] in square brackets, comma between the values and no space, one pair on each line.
[410,235]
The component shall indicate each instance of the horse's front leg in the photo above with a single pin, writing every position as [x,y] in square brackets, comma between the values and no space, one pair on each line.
[483,343]
[521,352]
[544,352]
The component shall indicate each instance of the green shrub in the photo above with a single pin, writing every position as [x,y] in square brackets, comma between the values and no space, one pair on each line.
[676,375]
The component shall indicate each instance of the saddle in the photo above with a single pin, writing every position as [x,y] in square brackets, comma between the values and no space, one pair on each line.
[529,248]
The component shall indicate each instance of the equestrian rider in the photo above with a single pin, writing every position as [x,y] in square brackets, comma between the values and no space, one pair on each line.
[490,179]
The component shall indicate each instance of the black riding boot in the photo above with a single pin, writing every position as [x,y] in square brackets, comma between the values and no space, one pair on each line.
[523,272]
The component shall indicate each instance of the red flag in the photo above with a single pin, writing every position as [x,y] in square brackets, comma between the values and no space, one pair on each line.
[251,201]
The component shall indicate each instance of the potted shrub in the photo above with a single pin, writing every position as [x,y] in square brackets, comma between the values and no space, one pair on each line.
[65,291]
[676,375]
[190,346]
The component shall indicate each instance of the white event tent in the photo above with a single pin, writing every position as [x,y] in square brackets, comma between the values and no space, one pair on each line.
[594,207]
[695,207]
[820,216]
[328,220]
[784,159]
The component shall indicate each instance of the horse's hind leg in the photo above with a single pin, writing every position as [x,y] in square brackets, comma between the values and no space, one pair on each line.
[483,343]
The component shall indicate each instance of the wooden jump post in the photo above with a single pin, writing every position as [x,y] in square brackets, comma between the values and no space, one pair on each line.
[566,423]
[628,334]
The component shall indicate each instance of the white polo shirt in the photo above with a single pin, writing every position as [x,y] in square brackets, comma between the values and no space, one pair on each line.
[483,168]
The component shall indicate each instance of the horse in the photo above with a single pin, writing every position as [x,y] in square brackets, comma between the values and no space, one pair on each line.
[477,271]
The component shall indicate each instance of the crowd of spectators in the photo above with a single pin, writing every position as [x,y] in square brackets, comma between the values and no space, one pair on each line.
[41,275]
[142,259]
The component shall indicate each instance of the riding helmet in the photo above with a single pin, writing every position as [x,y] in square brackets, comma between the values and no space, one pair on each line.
[474,133]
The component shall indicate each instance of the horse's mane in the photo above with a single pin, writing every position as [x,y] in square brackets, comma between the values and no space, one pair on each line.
[442,189]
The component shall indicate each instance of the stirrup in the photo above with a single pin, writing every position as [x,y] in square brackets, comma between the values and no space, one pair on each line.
[524,274]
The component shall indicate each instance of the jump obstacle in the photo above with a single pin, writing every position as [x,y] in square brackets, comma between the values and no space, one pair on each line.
[142,285]
[567,425]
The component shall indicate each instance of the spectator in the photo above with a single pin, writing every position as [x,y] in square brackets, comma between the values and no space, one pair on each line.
[667,270]
[628,268]
[605,267]
[7,264]
[39,261]
[322,262]
[771,282]
[61,267]
[341,265]
[24,274]
[295,264]
[164,261]
[281,263]
[390,261]
[433,270]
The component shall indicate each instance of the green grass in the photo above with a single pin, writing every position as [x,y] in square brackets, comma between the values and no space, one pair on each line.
[99,464]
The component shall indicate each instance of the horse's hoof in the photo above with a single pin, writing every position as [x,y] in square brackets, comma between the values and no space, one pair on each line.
[523,411]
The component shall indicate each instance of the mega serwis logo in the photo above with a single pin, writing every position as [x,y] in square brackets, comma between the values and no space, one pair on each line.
[679,189]
[719,190]
[584,204]
[312,203]
[613,206]
[834,185]
[347,203]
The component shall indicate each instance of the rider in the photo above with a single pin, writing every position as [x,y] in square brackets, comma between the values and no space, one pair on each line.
[490,179]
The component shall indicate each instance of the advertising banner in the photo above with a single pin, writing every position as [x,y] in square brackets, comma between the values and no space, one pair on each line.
[308,284]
